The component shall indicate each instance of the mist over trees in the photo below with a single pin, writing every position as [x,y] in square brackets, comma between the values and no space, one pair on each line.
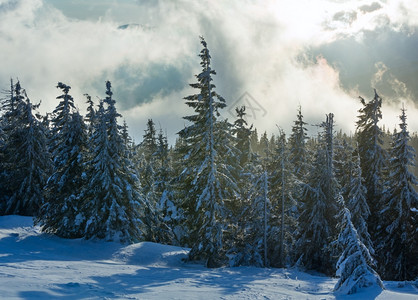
[231,195]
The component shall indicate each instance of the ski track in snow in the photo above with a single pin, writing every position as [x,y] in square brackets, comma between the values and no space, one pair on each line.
[39,266]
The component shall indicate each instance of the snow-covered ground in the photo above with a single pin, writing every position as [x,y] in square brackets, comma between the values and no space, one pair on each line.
[39,266]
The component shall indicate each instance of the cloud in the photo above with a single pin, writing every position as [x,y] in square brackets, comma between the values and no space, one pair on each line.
[256,47]
[368,8]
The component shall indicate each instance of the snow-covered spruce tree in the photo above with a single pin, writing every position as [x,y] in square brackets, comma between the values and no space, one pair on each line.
[206,179]
[317,223]
[264,147]
[112,203]
[356,202]
[254,141]
[148,149]
[344,163]
[355,265]
[60,213]
[245,172]
[90,116]
[179,157]
[297,143]
[11,107]
[147,169]
[32,163]
[166,210]
[372,157]
[398,242]
[251,248]
[282,218]
[27,157]
[259,215]
[242,133]
[300,159]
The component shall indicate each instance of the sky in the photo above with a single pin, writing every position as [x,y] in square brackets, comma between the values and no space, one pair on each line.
[269,55]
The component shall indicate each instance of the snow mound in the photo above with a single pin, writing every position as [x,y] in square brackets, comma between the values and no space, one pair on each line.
[17,227]
[152,254]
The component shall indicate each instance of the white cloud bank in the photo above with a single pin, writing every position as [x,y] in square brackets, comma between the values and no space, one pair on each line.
[255,47]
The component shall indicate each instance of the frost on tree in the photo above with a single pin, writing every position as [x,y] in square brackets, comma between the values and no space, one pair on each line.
[206,179]
[251,244]
[356,202]
[319,206]
[113,203]
[60,212]
[282,217]
[297,142]
[24,155]
[372,156]
[355,265]
[398,242]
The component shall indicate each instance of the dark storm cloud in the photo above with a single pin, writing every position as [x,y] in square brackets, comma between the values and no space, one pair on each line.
[358,61]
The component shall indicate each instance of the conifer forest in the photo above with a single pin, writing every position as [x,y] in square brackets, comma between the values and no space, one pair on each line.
[339,204]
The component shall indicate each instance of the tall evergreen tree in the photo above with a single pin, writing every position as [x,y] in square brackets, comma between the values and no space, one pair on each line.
[60,212]
[282,220]
[113,203]
[166,210]
[320,205]
[26,156]
[372,156]
[11,140]
[242,133]
[206,178]
[147,165]
[398,242]
[91,115]
[345,160]
[32,165]
[297,144]
[356,203]
[250,247]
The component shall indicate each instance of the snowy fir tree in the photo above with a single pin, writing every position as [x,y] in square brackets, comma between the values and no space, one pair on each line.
[246,163]
[319,206]
[282,219]
[90,116]
[11,140]
[356,203]
[242,133]
[148,149]
[205,179]
[398,242]
[33,162]
[345,159]
[112,204]
[297,143]
[60,212]
[264,147]
[355,265]
[166,208]
[372,157]
[26,156]
[154,170]
[251,248]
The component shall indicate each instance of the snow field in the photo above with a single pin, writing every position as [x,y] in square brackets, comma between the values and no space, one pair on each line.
[39,266]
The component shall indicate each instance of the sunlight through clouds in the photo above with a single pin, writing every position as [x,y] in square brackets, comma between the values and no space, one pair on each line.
[148,49]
